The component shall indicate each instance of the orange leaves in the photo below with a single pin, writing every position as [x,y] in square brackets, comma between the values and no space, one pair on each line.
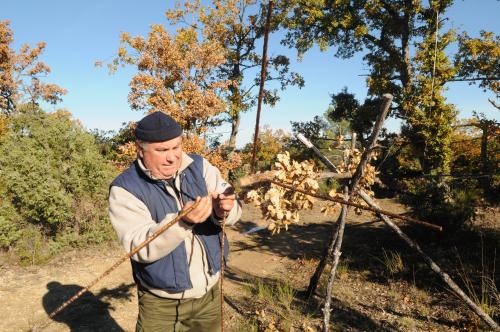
[217,156]
[20,74]
[126,155]
[176,75]
[281,207]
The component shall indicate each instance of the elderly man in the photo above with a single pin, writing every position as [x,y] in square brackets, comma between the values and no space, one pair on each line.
[177,273]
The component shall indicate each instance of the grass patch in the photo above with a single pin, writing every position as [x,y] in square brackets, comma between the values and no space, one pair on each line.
[392,261]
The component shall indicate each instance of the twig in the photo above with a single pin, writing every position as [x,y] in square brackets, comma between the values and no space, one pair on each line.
[360,206]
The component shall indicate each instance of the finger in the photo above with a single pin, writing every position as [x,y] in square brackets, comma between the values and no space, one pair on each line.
[227,198]
[205,206]
[229,191]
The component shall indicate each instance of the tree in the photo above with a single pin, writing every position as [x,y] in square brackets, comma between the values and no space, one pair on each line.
[238,26]
[386,31]
[176,75]
[478,60]
[21,73]
[271,144]
[429,119]
[345,107]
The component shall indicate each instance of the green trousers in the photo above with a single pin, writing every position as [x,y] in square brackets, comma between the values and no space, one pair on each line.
[157,314]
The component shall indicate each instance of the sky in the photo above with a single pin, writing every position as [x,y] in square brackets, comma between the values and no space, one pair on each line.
[78,33]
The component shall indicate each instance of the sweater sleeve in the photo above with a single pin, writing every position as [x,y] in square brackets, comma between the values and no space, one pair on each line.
[133,224]
[216,183]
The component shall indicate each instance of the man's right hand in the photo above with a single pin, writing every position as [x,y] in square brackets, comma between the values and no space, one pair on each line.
[201,212]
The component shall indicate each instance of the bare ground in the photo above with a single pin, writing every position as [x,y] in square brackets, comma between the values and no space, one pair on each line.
[368,296]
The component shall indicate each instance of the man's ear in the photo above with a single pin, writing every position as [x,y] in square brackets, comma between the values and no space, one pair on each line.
[140,152]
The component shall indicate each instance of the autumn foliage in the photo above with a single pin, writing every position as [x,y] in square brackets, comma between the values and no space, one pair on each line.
[281,206]
[21,74]
[176,75]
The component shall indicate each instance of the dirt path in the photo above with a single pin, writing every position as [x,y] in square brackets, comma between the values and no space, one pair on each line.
[367,298]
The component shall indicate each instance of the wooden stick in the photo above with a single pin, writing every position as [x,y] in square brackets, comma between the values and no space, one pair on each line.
[261,87]
[434,267]
[253,179]
[153,236]
[222,267]
[333,250]
[360,206]
[349,191]
[329,248]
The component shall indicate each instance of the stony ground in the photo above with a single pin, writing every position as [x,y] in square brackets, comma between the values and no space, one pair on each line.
[265,280]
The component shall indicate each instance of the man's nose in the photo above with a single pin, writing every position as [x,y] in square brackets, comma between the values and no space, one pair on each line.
[170,157]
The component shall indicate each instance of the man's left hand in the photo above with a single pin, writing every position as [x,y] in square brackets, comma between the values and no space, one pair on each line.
[224,202]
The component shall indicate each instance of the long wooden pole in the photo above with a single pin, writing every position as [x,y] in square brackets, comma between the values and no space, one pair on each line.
[333,247]
[222,268]
[360,206]
[348,191]
[434,267]
[261,88]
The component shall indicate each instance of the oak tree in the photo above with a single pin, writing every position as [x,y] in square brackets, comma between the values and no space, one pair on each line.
[21,74]
[238,26]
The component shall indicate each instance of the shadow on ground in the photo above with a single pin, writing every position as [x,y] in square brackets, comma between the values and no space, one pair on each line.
[367,241]
[90,312]
[467,256]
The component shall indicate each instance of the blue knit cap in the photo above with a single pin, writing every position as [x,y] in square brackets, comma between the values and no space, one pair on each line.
[157,127]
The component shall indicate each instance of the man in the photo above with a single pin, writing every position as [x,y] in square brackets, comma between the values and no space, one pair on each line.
[177,273]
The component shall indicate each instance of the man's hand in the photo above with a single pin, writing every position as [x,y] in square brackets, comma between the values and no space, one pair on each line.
[223,203]
[201,212]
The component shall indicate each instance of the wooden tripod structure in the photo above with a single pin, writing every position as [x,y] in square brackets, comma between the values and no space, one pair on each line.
[333,250]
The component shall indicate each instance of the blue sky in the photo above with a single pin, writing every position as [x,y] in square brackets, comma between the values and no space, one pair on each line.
[80,32]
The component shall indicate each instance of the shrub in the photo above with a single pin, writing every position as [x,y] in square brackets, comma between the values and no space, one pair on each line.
[9,233]
[53,179]
[444,203]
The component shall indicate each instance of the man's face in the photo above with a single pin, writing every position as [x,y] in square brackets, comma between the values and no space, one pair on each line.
[163,159]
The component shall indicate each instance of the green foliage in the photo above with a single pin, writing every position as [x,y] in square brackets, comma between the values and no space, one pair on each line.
[444,203]
[393,262]
[9,233]
[478,57]
[361,117]
[386,31]
[281,294]
[428,125]
[32,248]
[54,182]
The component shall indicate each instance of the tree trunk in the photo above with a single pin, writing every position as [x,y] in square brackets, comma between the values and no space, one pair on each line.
[313,282]
[235,126]
[486,179]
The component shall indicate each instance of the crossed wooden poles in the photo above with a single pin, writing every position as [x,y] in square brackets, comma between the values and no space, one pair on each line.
[332,250]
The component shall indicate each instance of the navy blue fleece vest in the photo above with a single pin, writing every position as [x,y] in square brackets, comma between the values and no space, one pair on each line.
[171,273]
